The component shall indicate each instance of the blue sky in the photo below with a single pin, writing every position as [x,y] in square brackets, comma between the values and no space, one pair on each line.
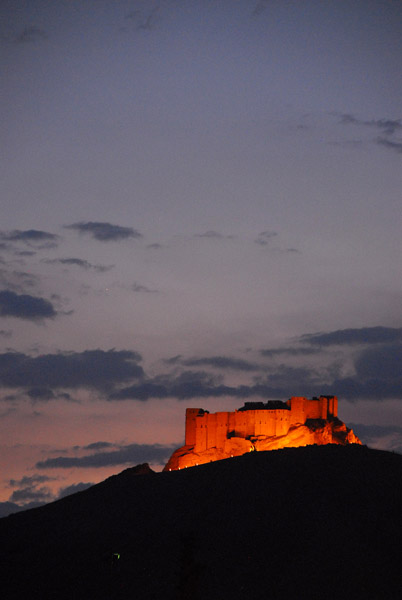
[201,202]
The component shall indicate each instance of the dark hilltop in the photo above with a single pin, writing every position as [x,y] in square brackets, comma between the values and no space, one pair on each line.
[320,522]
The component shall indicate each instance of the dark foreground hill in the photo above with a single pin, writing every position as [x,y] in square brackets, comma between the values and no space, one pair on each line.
[320,522]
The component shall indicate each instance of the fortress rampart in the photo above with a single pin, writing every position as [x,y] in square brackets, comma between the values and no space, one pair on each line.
[206,430]
[260,427]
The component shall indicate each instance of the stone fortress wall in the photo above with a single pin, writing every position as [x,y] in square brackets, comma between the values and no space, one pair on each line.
[206,430]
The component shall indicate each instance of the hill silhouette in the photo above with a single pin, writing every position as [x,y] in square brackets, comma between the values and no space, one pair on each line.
[316,522]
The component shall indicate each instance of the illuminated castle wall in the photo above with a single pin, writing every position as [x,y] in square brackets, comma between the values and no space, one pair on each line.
[255,419]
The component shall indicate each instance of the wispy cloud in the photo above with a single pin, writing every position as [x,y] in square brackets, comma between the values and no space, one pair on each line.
[78,262]
[265,237]
[141,20]
[30,34]
[391,145]
[364,335]
[387,126]
[17,281]
[289,351]
[99,446]
[214,235]
[142,289]
[222,362]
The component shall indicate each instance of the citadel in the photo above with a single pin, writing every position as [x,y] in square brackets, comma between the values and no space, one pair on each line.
[259,426]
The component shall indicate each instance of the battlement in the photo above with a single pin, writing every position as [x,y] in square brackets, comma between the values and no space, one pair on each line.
[206,430]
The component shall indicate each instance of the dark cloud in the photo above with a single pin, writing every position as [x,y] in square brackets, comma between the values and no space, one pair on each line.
[264,238]
[29,481]
[32,494]
[221,362]
[136,287]
[189,384]
[30,491]
[285,376]
[377,377]
[387,126]
[377,369]
[364,335]
[392,145]
[24,253]
[155,246]
[130,454]
[31,237]
[375,431]
[78,262]
[30,34]
[199,384]
[5,333]
[105,232]
[8,508]
[385,437]
[97,369]
[28,235]
[384,362]
[41,393]
[73,489]
[24,306]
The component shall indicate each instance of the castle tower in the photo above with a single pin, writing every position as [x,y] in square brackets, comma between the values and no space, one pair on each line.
[297,412]
[332,406]
[191,415]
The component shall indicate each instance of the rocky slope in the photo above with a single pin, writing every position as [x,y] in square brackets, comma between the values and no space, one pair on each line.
[315,431]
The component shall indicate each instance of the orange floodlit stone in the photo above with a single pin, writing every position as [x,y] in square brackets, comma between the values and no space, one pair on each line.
[258,426]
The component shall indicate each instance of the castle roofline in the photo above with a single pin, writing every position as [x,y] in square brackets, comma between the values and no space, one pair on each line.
[270,405]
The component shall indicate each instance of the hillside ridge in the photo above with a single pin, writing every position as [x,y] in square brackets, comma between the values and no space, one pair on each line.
[265,523]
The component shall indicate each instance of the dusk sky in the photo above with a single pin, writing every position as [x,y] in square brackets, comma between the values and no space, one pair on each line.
[201,205]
